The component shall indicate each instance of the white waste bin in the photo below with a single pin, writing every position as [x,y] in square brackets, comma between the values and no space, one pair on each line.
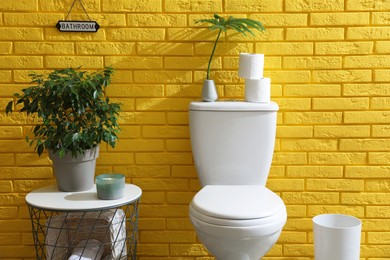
[336,237]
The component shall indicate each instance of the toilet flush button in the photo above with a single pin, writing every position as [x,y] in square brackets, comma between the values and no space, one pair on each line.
[237,201]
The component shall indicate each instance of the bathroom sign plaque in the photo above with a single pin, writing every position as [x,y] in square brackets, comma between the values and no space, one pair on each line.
[77,26]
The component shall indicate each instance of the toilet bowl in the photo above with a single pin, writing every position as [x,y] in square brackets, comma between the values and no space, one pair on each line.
[234,215]
[237,222]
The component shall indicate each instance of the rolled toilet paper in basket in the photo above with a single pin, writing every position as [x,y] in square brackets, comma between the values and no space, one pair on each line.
[88,250]
[258,90]
[251,65]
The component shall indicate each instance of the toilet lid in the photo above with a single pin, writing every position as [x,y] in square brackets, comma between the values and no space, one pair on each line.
[237,202]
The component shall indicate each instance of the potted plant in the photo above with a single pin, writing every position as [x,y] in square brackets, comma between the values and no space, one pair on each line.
[74,116]
[240,25]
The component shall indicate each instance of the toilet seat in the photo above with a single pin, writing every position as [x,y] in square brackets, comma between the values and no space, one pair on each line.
[238,206]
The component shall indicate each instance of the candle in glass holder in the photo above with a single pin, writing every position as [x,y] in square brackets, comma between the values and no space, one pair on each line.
[110,186]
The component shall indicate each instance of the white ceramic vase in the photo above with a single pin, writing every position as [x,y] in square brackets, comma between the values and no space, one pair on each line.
[209,92]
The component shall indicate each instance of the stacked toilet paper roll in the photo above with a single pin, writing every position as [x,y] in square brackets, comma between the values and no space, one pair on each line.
[257,88]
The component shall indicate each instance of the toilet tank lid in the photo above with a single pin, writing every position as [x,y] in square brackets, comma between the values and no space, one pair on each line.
[233,106]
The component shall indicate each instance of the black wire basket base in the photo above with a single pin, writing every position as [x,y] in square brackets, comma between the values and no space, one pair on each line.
[107,234]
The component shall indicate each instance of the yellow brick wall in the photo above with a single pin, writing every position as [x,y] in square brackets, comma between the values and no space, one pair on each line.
[329,61]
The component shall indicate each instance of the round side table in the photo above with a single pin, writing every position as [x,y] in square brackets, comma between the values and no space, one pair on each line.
[67,222]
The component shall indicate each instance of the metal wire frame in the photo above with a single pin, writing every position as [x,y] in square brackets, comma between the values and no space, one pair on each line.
[71,227]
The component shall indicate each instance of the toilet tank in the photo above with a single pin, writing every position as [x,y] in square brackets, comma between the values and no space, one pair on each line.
[232,142]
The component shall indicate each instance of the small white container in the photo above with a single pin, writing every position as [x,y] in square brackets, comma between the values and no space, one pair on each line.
[336,237]
[209,91]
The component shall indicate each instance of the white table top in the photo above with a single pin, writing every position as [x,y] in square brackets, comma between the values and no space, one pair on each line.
[51,198]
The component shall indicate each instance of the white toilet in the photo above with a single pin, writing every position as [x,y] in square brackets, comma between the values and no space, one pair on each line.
[235,216]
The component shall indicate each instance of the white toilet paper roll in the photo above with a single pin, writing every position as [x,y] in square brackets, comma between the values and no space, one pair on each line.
[251,65]
[258,90]
[88,250]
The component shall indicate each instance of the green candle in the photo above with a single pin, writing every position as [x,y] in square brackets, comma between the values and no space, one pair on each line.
[110,186]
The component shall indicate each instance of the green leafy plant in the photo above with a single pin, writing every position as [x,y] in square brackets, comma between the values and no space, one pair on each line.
[240,25]
[73,111]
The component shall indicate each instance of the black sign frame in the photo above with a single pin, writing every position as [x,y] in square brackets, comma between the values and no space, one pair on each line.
[77,26]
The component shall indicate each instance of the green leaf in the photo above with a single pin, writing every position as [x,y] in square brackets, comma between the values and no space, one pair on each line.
[73,89]
[9,106]
[40,149]
[61,153]
[75,137]
[95,94]
[239,28]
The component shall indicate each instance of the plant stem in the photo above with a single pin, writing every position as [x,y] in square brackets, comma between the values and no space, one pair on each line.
[212,54]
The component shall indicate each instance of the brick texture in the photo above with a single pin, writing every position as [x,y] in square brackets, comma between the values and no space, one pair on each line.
[329,62]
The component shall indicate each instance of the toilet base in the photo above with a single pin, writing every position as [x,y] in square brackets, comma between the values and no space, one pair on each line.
[237,231]
[238,248]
